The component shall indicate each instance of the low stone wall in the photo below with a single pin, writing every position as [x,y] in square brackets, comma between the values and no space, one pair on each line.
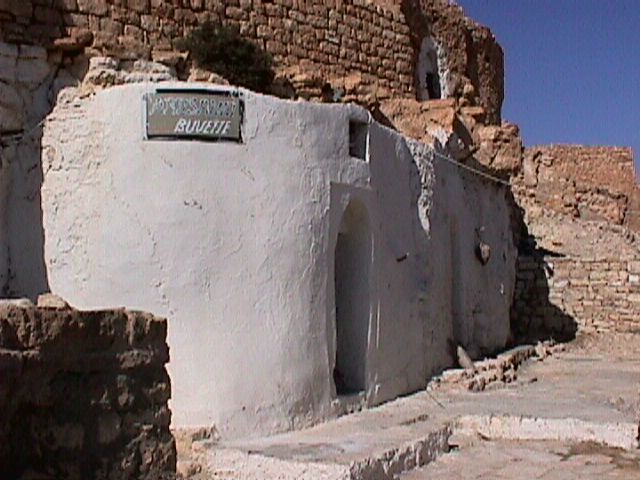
[562,295]
[83,394]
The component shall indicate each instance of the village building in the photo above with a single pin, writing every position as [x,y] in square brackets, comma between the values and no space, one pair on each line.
[324,246]
[315,263]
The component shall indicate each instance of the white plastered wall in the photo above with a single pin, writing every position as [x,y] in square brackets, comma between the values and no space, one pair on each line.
[234,243]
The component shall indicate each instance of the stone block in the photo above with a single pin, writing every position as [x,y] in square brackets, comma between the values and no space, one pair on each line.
[94,7]
[73,397]
[12,111]
[18,8]
[8,69]
[31,72]
[634,267]
[140,6]
[67,5]
[8,50]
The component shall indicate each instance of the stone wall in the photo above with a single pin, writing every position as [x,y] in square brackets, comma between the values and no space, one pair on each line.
[592,183]
[27,81]
[83,394]
[363,50]
[559,295]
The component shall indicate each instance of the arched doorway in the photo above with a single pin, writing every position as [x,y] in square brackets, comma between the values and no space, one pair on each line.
[352,296]
[427,72]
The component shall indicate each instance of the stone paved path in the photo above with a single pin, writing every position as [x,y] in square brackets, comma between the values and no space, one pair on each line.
[546,460]
[589,392]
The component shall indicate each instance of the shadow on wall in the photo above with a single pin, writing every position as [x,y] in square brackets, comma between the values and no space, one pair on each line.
[26,276]
[534,317]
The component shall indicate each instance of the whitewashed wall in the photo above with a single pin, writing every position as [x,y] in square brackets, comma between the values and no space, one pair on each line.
[235,243]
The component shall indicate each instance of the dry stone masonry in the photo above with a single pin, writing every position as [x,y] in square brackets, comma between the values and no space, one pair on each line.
[359,50]
[83,394]
[591,183]
[578,263]
[562,294]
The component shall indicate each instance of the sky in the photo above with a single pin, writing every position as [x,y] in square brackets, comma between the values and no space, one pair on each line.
[572,68]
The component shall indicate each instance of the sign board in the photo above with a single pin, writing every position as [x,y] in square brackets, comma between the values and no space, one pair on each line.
[193,114]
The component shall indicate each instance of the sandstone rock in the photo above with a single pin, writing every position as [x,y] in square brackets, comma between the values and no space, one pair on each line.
[147,71]
[200,75]
[473,116]
[15,302]
[187,468]
[170,58]
[463,359]
[530,171]
[500,147]
[441,103]
[140,6]
[94,7]
[68,5]
[64,373]
[109,63]
[51,300]
[79,39]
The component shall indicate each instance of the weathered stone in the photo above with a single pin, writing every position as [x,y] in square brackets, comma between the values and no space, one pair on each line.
[8,69]
[108,428]
[169,58]
[79,39]
[11,102]
[94,7]
[19,8]
[15,302]
[141,6]
[8,50]
[464,360]
[483,252]
[31,72]
[66,389]
[51,300]
[67,5]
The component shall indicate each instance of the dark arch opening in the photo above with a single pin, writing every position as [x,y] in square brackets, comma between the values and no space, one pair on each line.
[352,295]
[428,76]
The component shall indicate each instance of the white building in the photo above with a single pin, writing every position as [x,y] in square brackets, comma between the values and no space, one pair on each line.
[321,262]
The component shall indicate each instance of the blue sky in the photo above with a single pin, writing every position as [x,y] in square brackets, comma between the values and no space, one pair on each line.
[572,68]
